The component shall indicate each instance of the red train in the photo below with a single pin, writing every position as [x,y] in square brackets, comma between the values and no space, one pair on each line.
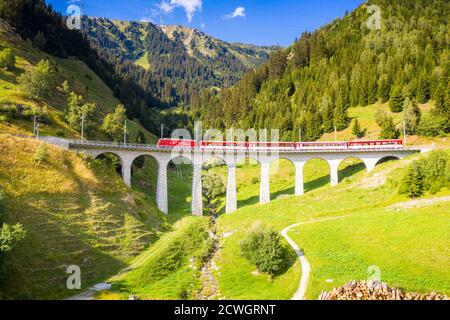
[289,146]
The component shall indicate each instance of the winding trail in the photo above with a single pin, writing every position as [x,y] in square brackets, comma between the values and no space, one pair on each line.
[300,294]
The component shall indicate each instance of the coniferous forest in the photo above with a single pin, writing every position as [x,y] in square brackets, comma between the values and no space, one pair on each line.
[308,86]
[311,85]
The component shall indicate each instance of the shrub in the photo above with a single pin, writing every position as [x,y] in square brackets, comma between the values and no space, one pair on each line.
[430,173]
[8,112]
[41,154]
[262,248]
[7,59]
[433,126]
[60,133]
[388,129]
[9,236]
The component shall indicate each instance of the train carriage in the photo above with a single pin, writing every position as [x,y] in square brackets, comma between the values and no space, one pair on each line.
[281,146]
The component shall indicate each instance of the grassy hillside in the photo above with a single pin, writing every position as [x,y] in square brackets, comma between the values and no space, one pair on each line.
[75,212]
[366,118]
[81,80]
[409,246]
[369,233]
[375,236]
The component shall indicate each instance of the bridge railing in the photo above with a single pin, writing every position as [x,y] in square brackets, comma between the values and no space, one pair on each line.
[136,146]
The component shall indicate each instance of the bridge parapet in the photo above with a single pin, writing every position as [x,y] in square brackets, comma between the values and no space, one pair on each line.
[127,153]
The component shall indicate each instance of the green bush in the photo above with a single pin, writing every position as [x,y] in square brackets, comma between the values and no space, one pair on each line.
[41,154]
[8,112]
[7,59]
[428,174]
[262,248]
[433,126]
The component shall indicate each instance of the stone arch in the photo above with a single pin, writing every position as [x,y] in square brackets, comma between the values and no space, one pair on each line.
[179,169]
[316,173]
[218,165]
[387,158]
[148,166]
[282,177]
[347,168]
[119,167]
[248,180]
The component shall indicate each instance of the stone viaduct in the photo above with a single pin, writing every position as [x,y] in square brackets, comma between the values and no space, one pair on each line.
[130,152]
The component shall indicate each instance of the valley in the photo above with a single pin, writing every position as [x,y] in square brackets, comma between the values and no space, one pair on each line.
[128,84]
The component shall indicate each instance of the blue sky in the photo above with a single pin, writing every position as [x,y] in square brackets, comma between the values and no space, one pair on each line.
[263,22]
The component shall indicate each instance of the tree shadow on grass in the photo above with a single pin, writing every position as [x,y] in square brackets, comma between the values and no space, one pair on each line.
[290,191]
[351,171]
[316,184]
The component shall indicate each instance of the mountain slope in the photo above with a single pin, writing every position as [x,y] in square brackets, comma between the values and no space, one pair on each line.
[311,85]
[76,212]
[80,78]
[179,60]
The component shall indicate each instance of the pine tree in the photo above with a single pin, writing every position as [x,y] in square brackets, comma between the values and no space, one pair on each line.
[411,116]
[384,88]
[341,119]
[396,100]
[356,129]
[413,183]
[441,108]
[39,41]
[423,89]
[388,129]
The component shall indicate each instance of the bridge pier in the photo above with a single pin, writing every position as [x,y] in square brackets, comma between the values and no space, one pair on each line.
[197,195]
[231,189]
[334,171]
[299,183]
[264,193]
[126,171]
[161,187]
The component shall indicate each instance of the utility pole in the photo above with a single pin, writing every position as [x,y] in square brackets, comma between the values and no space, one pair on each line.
[335,134]
[82,126]
[37,131]
[125,133]
[300,134]
[404,133]
[162,130]
[34,125]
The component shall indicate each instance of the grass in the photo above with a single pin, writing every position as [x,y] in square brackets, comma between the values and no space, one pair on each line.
[355,195]
[171,269]
[75,213]
[143,62]
[411,248]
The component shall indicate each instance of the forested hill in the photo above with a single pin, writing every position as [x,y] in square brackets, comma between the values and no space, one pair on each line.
[179,61]
[345,64]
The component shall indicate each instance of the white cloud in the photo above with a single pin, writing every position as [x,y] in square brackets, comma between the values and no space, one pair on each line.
[147,19]
[238,12]
[189,6]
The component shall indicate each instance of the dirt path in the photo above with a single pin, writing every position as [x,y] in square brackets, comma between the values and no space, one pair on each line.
[300,294]
[418,203]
